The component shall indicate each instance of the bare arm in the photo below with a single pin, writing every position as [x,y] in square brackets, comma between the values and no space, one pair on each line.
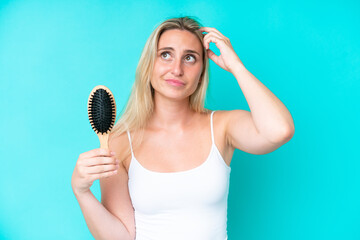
[101,223]
[270,117]
[271,122]
[268,126]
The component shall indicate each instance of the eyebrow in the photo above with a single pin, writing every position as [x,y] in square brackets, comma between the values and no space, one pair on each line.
[187,50]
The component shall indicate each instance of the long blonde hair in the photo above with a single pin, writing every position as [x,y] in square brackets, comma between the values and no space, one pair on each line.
[140,104]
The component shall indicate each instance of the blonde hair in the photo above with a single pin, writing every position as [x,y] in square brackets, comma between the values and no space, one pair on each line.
[140,104]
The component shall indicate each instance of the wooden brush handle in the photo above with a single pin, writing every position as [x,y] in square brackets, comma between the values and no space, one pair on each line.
[103,140]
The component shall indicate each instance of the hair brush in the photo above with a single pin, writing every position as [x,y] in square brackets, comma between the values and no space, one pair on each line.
[102,113]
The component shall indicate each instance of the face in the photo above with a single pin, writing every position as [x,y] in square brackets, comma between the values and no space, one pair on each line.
[178,64]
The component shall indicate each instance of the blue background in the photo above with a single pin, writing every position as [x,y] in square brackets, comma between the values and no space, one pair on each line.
[52,54]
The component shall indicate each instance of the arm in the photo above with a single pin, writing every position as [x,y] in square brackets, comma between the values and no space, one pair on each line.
[270,117]
[101,223]
[269,124]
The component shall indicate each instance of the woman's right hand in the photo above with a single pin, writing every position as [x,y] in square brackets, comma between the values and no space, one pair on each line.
[92,165]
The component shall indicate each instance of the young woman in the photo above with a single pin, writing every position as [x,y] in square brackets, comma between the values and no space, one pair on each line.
[169,175]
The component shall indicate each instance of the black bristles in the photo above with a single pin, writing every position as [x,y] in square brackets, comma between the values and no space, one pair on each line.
[101,111]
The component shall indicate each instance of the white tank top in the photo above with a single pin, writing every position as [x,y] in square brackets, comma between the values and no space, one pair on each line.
[184,205]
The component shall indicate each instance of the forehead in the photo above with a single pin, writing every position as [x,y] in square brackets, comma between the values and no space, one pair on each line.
[180,39]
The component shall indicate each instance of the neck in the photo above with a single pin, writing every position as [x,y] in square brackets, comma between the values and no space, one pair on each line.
[170,114]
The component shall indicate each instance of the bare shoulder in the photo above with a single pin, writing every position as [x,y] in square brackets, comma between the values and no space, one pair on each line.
[225,115]
[120,145]
[222,118]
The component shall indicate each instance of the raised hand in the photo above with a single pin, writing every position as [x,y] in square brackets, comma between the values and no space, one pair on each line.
[228,59]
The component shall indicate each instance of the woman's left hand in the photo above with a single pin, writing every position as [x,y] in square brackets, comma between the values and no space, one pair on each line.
[228,59]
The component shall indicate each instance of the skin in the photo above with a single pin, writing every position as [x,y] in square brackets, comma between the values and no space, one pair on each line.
[172,110]
[177,138]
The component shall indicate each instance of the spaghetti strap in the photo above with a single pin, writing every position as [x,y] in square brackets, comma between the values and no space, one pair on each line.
[211,124]
[132,154]
[174,190]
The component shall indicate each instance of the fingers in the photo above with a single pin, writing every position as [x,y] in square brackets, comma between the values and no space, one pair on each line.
[214,36]
[96,176]
[94,164]
[213,31]
[212,55]
[94,168]
[96,152]
[99,161]
[89,178]
[211,37]
[218,42]
[102,168]
[220,36]
[209,29]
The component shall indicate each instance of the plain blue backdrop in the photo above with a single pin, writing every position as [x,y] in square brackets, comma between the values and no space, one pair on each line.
[53,53]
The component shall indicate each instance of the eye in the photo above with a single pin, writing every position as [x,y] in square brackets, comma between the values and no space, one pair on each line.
[164,53]
[191,56]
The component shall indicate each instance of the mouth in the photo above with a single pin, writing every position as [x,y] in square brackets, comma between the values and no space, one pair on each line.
[175,82]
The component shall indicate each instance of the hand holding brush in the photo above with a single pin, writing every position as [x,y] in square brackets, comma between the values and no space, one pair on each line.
[100,162]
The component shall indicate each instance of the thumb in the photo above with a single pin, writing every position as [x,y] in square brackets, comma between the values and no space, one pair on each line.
[212,55]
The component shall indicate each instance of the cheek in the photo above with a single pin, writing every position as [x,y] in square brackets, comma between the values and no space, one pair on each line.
[158,73]
[197,70]
[160,68]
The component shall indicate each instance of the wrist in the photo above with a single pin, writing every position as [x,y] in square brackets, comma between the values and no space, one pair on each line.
[81,194]
[239,67]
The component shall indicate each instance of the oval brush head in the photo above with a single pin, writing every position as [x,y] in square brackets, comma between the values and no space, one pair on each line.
[102,113]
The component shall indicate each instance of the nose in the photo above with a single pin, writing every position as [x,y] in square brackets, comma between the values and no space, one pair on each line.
[177,68]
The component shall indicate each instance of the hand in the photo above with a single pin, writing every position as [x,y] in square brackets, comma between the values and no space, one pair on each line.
[92,165]
[228,60]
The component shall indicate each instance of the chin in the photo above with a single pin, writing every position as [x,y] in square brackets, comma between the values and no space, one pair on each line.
[173,95]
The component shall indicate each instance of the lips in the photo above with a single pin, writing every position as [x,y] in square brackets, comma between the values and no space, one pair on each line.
[175,81]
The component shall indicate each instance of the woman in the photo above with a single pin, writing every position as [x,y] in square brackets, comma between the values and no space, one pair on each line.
[169,175]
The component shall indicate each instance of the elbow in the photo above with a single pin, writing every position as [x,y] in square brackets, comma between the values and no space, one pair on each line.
[287,133]
[284,135]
